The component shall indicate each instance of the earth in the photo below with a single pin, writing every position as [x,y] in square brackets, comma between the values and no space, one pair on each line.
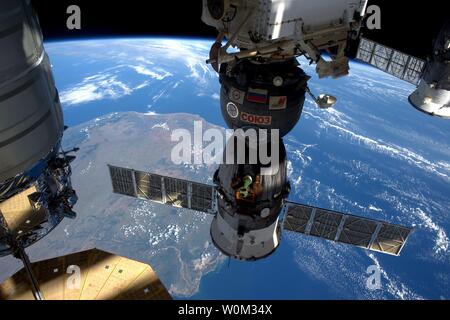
[372,155]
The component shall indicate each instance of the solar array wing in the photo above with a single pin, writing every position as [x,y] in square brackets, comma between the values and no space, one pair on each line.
[165,190]
[339,227]
[89,275]
[391,61]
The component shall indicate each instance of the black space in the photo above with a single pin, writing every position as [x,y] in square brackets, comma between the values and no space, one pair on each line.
[409,26]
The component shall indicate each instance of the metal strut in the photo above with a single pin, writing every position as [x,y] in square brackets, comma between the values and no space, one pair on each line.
[19,253]
[22,255]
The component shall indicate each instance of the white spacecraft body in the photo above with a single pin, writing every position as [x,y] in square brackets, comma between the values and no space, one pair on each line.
[433,93]
[280,29]
[254,244]
[31,120]
[35,185]
[431,100]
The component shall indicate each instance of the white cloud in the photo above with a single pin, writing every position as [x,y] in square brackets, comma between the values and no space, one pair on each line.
[158,74]
[144,60]
[442,241]
[93,88]
[373,208]
[332,123]
[204,262]
[142,85]
[397,289]
[163,126]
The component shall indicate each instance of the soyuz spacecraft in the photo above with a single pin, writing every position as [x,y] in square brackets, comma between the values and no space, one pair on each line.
[249,203]
[35,178]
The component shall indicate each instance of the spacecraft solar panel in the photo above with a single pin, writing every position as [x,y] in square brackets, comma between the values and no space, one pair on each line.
[339,227]
[89,275]
[165,190]
[391,61]
[122,181]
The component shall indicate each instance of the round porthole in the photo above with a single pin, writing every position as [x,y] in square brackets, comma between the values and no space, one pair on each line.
[232,110]
[217,8]
[265,213]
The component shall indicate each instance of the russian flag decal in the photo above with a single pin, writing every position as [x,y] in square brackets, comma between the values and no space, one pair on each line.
[257,95]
